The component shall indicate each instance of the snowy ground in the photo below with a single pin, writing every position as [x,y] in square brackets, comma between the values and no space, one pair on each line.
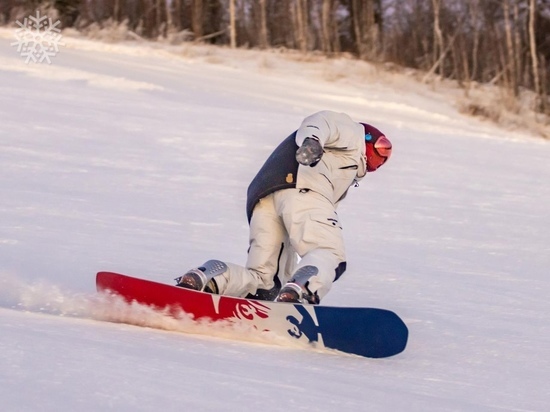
[133,159]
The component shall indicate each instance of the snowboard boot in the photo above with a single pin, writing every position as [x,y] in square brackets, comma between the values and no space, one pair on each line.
[201,278]
[297,291]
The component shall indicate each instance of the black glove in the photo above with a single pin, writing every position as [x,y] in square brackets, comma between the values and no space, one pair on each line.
[310,152]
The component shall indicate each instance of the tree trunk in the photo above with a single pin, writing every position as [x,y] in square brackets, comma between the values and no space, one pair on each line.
[371,29]
[232,25]
[334,30]
[518,59]
[177,14]
[196,19]
[357,27]
[510,63]
[264,41]
[474,15]
[116,11]
[544,88]
[438,38]
[466,68]
[301,24]
[169,5]
[326,18]
[159,17]
[533,49]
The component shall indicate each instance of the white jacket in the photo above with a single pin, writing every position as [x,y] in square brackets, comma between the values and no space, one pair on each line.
[342,164]
[343,161]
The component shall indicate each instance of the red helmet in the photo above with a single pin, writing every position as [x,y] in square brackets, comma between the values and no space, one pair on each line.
[378,147]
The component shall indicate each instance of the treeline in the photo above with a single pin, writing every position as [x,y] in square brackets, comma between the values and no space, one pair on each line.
[503,42]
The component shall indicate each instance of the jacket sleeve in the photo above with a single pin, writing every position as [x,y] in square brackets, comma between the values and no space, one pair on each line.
[334,130]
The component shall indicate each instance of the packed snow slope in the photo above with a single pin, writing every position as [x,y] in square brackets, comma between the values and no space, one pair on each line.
[136,159]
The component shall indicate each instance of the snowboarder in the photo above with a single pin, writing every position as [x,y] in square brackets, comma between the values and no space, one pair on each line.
[291,209]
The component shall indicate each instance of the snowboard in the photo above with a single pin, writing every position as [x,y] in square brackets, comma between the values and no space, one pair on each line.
[369,332]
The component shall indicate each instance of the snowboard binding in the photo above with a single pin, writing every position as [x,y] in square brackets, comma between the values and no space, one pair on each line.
[201,278]
[297,291]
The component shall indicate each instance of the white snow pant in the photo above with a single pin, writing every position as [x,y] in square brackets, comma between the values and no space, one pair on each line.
[284,225]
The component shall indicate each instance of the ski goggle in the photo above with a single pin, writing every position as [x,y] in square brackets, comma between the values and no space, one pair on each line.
[378,151]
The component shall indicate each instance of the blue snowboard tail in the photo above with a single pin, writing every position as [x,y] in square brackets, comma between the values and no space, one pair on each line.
[375,333]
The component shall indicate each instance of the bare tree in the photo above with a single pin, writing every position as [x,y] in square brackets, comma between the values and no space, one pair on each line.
[196,18]
[326,19]
[510,66]
[263,38]
[438,54]
[300,14]
[476,25]
[232,24]
[533,49]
